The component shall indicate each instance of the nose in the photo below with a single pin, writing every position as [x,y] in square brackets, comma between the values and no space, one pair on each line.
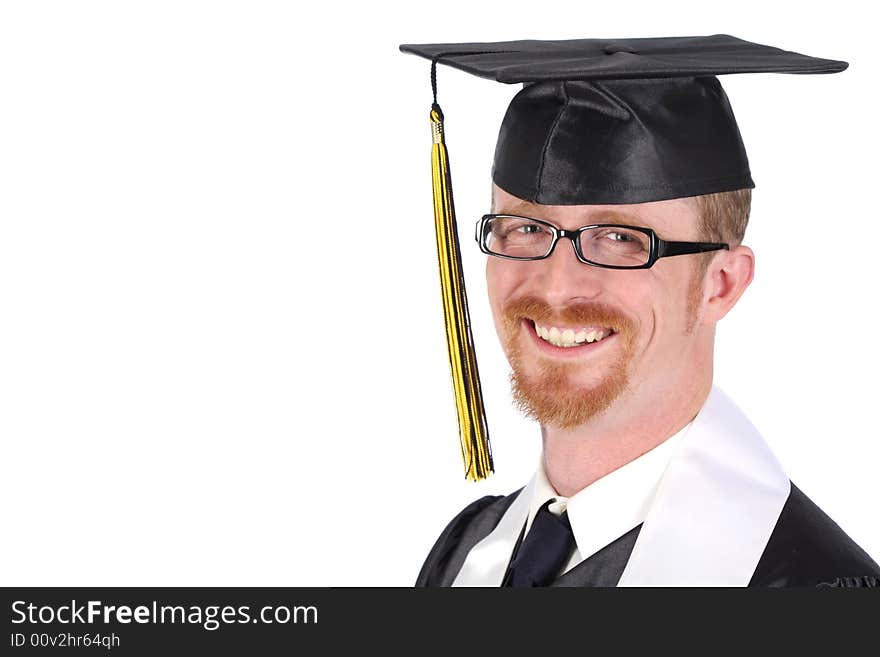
[565,279]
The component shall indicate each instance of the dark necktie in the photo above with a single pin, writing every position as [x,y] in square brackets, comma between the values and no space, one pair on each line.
[543,551]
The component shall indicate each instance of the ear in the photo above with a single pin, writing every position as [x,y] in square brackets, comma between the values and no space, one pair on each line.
[727,278]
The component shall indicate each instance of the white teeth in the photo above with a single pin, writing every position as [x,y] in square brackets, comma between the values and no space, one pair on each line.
[568,337]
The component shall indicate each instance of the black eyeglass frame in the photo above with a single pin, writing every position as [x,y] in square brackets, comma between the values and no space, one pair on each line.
[659,248]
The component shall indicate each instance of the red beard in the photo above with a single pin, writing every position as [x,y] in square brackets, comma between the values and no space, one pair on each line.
[546,390]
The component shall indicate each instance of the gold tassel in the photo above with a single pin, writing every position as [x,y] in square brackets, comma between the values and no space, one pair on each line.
[473,430]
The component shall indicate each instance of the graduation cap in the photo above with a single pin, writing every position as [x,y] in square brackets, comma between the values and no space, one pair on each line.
[598,121]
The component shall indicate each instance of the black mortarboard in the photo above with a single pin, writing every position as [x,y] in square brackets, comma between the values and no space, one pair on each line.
[619,120]
[598,121]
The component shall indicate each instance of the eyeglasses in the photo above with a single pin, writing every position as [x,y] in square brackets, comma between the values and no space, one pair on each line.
[612,246]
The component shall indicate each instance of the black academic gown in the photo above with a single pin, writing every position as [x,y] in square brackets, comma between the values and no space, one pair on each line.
[806,548]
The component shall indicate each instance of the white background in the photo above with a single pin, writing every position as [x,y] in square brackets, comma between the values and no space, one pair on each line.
[221,348]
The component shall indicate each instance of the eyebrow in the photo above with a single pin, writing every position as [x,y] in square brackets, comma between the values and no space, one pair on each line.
[528,209]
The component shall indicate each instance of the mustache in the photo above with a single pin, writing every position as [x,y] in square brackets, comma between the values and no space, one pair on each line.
[585,314]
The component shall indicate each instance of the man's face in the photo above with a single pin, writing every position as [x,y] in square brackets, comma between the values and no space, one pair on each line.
[634,330]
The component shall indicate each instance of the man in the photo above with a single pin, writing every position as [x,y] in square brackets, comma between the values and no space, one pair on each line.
[620,200]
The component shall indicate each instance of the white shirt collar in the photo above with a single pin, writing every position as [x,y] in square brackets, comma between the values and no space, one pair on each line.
[610,506]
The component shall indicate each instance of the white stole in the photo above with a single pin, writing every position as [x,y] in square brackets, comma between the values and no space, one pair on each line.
[714,510]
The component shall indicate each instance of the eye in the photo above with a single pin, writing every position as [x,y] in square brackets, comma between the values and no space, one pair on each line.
[515,228]
[614,238]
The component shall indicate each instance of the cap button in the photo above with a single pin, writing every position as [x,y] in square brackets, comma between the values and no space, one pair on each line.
[614,48]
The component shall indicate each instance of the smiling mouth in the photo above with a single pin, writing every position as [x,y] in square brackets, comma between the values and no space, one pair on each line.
[567,337]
